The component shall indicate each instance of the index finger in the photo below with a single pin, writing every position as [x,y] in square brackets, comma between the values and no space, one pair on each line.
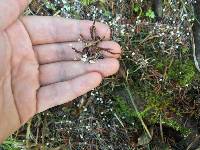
[46,30]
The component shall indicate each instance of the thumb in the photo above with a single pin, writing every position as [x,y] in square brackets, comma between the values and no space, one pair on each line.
[10,11]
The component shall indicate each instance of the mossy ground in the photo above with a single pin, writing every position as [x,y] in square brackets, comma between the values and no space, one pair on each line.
[156,66]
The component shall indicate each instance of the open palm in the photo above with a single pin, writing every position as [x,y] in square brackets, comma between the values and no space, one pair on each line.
[39,69]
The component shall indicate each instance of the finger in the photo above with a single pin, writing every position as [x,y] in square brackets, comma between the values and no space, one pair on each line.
[113,49]
[62,71]
[51,53]
[43,30]
[10,11]
[63,92]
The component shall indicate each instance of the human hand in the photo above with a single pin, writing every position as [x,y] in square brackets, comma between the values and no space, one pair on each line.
[38,70]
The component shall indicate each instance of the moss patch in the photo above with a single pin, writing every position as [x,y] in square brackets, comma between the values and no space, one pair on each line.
[182,72]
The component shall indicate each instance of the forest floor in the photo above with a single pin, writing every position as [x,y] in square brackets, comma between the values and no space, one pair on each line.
[154,100]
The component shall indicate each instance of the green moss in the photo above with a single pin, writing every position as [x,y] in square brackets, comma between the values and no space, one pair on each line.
[177,126]
[160,64]
[11,144]
[136,7]
[157,103]
[124,109]
[50,5]
[150,14]
[182,72]
[156,106]
[185,50]
[86,2]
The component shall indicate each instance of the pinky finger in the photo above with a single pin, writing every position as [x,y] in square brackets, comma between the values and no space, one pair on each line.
[63,92]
